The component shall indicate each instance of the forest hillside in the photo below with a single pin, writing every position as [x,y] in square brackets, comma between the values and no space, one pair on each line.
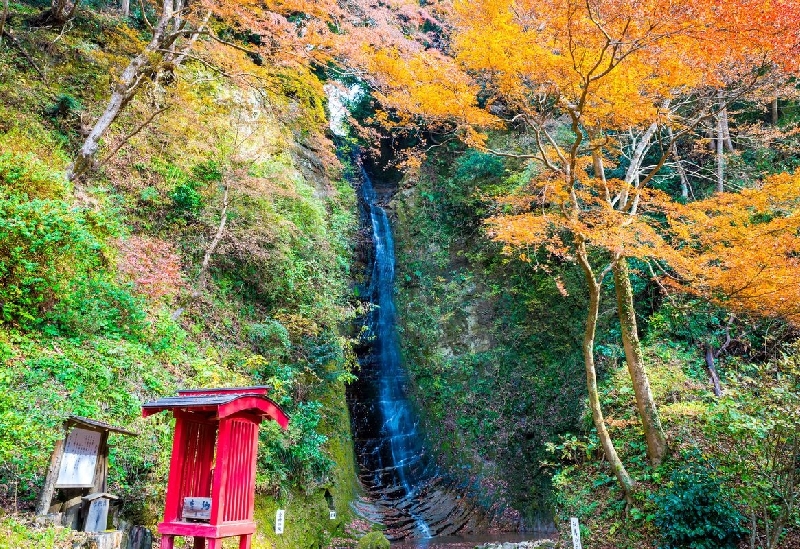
[595,231]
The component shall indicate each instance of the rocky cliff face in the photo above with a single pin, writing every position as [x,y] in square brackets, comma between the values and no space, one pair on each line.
[491,345]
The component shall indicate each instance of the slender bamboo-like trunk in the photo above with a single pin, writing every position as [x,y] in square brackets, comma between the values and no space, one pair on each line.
[720,155]
[625,480]
[653,431]
[774,110]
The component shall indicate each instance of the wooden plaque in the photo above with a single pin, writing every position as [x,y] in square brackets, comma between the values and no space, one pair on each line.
[79,460]
[196,508]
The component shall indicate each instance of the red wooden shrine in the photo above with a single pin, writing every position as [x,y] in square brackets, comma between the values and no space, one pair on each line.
[214,456]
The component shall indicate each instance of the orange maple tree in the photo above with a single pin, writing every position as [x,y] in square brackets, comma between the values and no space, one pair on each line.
[587,85]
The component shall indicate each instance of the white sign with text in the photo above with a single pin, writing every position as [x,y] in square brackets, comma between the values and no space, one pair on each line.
[79,459]
[280,517]
[576,533]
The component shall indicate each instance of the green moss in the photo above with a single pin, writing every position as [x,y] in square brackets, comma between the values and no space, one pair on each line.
[373,540]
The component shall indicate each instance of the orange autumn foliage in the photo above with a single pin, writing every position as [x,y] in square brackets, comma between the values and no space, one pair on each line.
[742,250]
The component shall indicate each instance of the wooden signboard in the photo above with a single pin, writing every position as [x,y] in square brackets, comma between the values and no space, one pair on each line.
[196,508]
[79,459]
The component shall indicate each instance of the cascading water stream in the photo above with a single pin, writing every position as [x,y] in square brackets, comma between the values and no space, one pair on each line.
[396,457]
[405,490]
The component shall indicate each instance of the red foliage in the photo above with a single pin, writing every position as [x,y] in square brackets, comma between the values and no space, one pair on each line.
[152,265]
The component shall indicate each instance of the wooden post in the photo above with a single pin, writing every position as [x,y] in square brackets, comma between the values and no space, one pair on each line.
[101,468]
[49,488]
[221,470]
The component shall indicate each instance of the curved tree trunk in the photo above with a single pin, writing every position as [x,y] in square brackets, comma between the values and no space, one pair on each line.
[653,431]
[625,480]
[169,28]
[126,87]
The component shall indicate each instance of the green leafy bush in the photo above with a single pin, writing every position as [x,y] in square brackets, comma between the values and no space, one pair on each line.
[43,244]
[97,305]
[25,173]
[186,199]
[694,511]
[475,165]
[373,540]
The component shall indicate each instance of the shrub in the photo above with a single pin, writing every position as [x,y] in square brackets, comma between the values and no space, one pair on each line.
[25,173]
[97,305]
[186,200]
[43,244]
[694,511]
[475,165]
[373,540]
[63,105]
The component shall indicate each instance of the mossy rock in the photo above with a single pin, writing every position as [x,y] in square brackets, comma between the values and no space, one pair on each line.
[373,540]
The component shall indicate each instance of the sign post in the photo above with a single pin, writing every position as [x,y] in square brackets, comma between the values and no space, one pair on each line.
[576,533]
[280,516]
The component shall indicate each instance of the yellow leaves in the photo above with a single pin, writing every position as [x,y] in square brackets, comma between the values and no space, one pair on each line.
[743,250]
[425,84]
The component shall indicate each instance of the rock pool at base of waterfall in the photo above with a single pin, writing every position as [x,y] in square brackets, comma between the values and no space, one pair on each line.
[488,541]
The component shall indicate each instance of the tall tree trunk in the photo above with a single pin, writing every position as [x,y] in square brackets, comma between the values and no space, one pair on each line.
[126,8]
[679,164]
[712,369]
[625,481]
[720,155]
[653,431]
[774,110]
[140,67]
[726,131]
[3,18]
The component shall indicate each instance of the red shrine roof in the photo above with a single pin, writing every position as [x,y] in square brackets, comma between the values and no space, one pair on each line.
[224,402]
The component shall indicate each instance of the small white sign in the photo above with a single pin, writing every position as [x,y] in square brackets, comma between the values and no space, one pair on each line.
[79,459]
[97,519]
[333,515]
[197,508]
[576,533]
[280,516]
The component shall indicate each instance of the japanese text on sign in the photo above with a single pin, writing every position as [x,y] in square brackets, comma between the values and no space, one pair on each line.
[279,520]
[576,533]
[79,460]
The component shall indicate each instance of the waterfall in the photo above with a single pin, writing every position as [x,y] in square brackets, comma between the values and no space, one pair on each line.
[405,490]
[392,451]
